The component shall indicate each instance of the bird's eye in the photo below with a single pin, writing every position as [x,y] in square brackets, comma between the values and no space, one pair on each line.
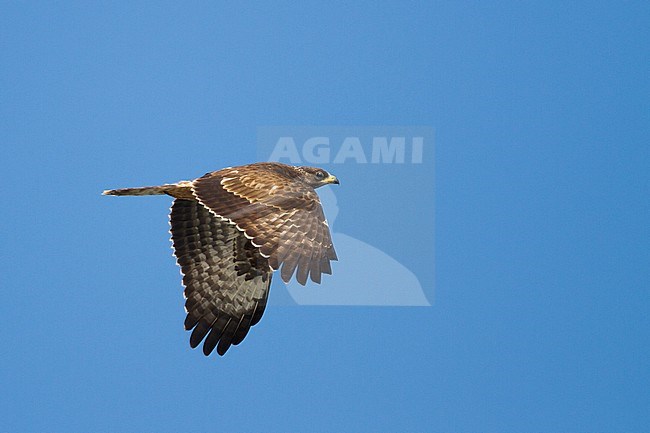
[320,175]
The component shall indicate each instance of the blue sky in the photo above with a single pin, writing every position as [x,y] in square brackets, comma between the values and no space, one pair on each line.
[540,112]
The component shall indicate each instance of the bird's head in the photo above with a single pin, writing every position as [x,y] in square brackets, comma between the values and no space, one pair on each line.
[316,177]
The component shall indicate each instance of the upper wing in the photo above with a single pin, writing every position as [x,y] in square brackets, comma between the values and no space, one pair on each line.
[226,279]
[283,217]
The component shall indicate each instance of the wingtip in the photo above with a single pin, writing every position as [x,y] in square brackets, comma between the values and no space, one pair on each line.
[301,279]
[315,277]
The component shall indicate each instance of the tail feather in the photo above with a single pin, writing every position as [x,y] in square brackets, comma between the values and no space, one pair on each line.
[145,190]
[181,189]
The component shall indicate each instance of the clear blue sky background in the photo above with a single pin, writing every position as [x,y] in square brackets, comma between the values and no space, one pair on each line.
[541,111]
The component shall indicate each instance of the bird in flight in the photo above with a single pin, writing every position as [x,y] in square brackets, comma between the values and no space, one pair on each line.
[230,229]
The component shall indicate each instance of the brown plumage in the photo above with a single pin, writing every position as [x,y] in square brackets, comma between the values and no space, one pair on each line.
[230,230]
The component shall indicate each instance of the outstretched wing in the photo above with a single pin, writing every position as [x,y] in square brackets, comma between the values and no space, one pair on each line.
[281,215]
[226,278]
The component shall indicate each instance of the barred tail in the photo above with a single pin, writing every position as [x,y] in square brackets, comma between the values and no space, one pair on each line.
[145,190]
[178,190]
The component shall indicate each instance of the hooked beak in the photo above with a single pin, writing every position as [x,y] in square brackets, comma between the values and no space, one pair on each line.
[331,179]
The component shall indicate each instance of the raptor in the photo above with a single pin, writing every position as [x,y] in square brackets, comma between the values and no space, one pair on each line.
[230,230]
